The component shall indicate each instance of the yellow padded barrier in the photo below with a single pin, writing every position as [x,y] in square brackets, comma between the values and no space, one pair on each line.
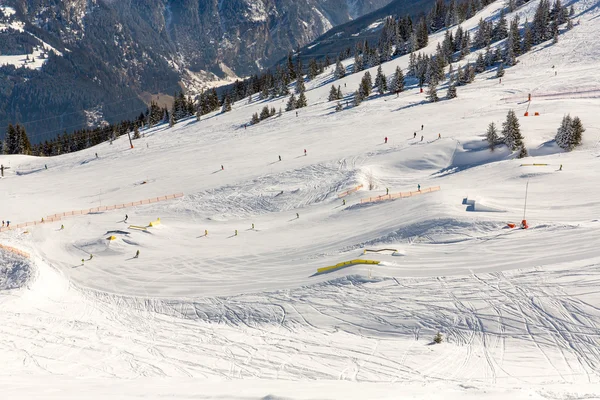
[345,264]
[154,223]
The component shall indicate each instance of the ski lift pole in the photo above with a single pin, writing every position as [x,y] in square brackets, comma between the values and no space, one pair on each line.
[525,207]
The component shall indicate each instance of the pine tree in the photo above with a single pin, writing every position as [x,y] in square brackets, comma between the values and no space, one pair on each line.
[255,119]
[511,132]
[492,136]
[500,71]
[527,38]
[264,114]
[501,28]
[172,121]
[564,132]
[340,96]
[577,133]
[333,95]
[357,99]
[365,86]
[451,89]
[432,95]
[398,83]
[480,64]
[226,105]
[302,102]
[291,104]
[300,84]
[381,81]
[136,132]
[338,107]
[340,71]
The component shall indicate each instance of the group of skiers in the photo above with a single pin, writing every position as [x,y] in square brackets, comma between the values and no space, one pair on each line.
[385,140]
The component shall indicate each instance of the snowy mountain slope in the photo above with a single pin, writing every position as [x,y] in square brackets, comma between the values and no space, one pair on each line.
[518,309]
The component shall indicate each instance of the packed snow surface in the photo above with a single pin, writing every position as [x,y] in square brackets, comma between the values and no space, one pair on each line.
[246,315]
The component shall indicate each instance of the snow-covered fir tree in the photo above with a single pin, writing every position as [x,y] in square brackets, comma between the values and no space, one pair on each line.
[357,99]
[366,85]
[570,133]
[338,106]
[300,84]
[511,132]
[432,95]
[398,81]
[451,89]
[226,105]
[480,63]
[255,119]
[333,94]
[264,113]
[381,81]
[291,104]
[491,136]
[302,102]
[340,71]
[500,71]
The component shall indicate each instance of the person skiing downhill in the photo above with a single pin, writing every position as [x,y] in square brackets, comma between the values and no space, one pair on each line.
[137,254]
[279,158]
[421,138]
[385,140]
[304,151]
[419,187]
[126,217]
[415,135]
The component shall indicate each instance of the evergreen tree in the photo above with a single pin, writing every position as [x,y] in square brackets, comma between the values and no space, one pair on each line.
[577,133]
[313,69]
[338,106]
[501,28]
[291,104]
[357,99]
[172,121]
[500,71]
[302,102]
[136,132]
[340,96]
[480,63]
[359,63]
[527,38]
[432,95]
[366,85]
[398,83]
[333,94]
[452,90]
[492,136]
[340,70]
[226,105]
[381,81]
[511,132]
[255,119]
[300,84]
[264,114]
[564,132]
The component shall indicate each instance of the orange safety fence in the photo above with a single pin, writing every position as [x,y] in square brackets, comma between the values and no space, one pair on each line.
[15,251]
[347,192]
[58,217]
[401,195]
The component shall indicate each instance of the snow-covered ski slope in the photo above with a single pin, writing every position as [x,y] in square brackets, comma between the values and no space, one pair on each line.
[226,316]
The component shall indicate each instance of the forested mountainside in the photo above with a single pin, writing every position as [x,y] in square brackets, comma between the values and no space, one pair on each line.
[67,64]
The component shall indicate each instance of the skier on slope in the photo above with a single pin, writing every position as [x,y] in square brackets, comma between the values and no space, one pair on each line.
[126,217]
[385,140]
[137,254]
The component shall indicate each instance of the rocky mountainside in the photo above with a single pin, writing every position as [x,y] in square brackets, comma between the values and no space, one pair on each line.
[68,63]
